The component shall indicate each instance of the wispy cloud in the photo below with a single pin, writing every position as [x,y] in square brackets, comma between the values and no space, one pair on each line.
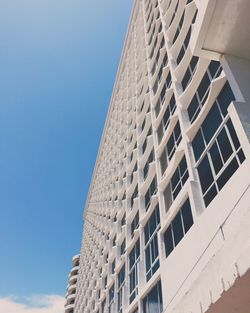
[34,304]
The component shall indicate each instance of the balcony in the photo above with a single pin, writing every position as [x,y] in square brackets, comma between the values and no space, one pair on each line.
[69,307]
[222,27]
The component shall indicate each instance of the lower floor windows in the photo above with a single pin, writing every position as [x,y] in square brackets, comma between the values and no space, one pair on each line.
[172,144]
[152,190]
[120,287]
[217,148]
[220,162]
[151,243]
[134,258]
[111,299]
[153,303]
[177,181]
[178,227]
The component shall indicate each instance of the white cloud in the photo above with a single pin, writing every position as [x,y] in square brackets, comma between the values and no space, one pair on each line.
[34,304]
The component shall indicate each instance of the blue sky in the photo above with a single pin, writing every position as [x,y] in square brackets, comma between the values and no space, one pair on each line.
[58,60]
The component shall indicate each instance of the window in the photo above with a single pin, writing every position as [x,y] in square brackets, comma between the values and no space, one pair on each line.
[123,220]
[134,258]
[170,148]
[111,299]
[179,28]
[175,10]
[167,82]
[105,280]
[189,72]
[152,303]
[120,287]
[152,190]
[103,305]
[123,245]
[151,243]
[216,147]
[178,228]
[184,46]
[177,181]
[200,97]
[149,161]
[166,118]
[144,146]
[134,224]
[134,196]
[113,267]
[114,241]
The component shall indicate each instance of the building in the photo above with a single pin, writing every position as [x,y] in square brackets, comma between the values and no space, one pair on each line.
[167,219]
[72,282]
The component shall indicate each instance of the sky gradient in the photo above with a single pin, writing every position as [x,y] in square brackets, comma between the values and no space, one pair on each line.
[58,61]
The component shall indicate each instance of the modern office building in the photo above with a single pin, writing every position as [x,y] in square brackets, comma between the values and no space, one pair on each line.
[167,219]
[72,282]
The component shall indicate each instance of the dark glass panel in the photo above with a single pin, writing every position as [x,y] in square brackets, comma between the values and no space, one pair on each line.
[233,134]
[241,156]
[198,145]
[225,97]
[227,173]
[193,62]
[177,229]
[168,241]
[211,123]
[180,56]
[172,104]
[213,67]
[148,261]
[167,197]
[210,195]
[224,144]
[187,215]
[177,190]
[216,158]
[183,166]
[175,179]
[170,144]
[193,106]
[153,301]
[186,79]
[152,224]
[203,87]
[166,117]
[146,233]
[163,161]
[205,174]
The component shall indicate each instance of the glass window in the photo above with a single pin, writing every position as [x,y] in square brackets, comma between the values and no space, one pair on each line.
[111,299]
[213,71]
[172,144]
[179,226]
[216,147]
[153,303]
[189,72]
[152,190]
[177,181]
[134,224]
[166,118]
[151,243]
[184,46]
[120,287]
[134,257]
[123,245]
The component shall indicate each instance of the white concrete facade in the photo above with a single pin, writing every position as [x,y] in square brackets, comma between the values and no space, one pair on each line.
[167,219]
[72,283]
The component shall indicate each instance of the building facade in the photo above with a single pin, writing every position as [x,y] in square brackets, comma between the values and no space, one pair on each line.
[167,219]
[72,282]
